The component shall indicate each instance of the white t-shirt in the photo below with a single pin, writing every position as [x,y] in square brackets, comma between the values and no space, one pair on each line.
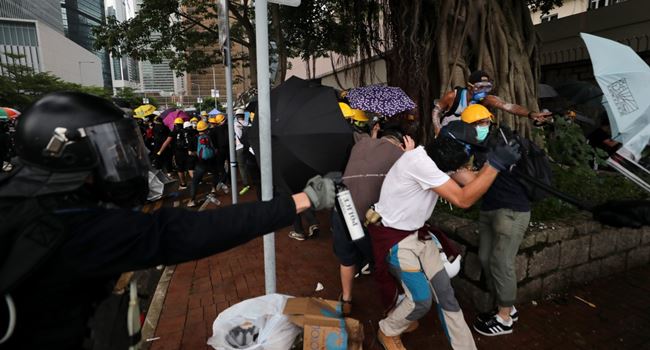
[406,200]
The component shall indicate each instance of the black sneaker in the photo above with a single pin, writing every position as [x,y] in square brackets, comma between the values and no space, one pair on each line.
[314,231]
[492,327]
[484,316]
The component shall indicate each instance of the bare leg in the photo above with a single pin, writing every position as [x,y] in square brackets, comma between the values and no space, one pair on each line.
[347,281]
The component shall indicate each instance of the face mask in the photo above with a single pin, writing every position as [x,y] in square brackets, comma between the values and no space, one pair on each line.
[482,132]
[479,96]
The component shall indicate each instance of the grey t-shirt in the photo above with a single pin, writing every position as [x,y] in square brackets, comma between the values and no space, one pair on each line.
[370,160]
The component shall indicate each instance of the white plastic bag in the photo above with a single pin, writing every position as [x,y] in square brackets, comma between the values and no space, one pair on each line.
[276,331]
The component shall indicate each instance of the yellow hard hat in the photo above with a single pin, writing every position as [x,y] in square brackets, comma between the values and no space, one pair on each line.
[359,115]
[474,113]
[219,119]
[194,119]
[201,126]
[203,113]
[346,110]
[212,120]
[178,120]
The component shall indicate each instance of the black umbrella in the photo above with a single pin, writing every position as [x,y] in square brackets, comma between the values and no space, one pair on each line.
[309,135]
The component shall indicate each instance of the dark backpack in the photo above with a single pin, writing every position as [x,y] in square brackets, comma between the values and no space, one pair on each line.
[533,170]
[182,139]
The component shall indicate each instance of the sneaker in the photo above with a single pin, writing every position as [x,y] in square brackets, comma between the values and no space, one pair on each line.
[244,190]
[191,204]
[297,236]
[484,316]
[225,188]
[493,327]
[366,270]
[313,231]
[182,186]
[390,343]
[346,306]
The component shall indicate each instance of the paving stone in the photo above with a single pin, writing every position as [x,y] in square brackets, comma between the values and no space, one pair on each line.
[627,239]
[638,257]
[467,290]
[448,223]
[530,239]
[587,227]
[561,232]
[472,267]
[574,252]
[586,272]
[612,265]
[603,244]
[645,236]
[544,261]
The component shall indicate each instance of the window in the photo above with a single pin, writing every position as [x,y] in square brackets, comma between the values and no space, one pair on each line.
[549,18]
[596,4]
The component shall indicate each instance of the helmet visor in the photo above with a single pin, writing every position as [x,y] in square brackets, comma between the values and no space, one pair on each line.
[120,150]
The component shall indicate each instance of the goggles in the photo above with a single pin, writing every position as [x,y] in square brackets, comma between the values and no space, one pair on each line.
[482,87]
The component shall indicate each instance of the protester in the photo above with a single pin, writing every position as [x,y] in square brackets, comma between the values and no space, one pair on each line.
[313,229]
[408,196]
[77,157]
[160,134]
[219,136]
[205,161]
[479,85]
[179,141]
[240,124]
[5,144]
[369,162]
[503,221]
[190,134]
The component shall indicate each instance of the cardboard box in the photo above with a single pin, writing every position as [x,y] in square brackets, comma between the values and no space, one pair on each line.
[324,325]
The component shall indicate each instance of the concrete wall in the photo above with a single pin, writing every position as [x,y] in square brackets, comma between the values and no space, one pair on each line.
[552,257]
[570,7]
[67,60]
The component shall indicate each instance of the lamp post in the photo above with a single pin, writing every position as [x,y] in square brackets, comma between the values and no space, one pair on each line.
[81,77]
[199,86]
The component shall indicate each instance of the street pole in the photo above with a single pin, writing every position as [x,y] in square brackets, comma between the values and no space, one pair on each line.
[214,87]
[231,122]
[264,117]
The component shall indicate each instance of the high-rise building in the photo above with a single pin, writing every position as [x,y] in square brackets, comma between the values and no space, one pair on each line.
[31,35]
[125,71]
[79,18]
[46,11]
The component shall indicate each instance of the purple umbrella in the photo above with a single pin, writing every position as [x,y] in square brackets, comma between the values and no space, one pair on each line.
[385,100]
[168,120]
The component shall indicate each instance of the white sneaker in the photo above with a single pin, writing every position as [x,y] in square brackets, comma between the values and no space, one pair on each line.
[191,204]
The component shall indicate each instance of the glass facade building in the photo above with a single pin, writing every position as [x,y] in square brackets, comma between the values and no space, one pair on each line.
[46,11]
[19,45]
[79,17]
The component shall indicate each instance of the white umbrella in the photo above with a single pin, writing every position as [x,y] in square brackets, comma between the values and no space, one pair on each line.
[625,80]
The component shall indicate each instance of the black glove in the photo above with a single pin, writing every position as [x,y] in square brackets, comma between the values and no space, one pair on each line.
[502,157]
[321,191]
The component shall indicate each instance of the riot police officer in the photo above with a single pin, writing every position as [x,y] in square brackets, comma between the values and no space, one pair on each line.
[68,225]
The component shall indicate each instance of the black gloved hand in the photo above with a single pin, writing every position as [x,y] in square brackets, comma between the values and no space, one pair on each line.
[502,157]
[321,191]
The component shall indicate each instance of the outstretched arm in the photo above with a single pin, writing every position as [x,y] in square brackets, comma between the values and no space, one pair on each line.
[497,102]
[439,108]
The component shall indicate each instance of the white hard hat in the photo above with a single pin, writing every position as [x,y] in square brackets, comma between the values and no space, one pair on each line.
[187,125]
[240,111]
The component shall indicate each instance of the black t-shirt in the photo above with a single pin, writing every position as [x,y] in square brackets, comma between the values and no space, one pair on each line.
[506,192]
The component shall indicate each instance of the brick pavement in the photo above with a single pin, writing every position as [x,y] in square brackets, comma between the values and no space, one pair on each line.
[199,290]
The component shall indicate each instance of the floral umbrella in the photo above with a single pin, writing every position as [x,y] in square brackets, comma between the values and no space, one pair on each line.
[385,100]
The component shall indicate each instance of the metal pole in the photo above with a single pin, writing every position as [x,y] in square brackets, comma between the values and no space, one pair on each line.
[264,117]
[231,123]
[214,87]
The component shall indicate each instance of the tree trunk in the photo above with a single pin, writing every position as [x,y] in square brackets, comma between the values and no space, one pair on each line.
[279,40]
[437,43]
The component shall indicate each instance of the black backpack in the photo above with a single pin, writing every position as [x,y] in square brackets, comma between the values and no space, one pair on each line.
[183,139]
[533,170]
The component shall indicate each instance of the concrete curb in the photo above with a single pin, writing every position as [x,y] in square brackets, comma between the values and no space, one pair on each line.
[155,308]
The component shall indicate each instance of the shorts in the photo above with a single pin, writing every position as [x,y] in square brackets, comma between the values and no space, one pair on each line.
[181,159]
[349,252]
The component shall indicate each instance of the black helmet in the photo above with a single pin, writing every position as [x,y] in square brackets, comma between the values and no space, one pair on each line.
[71,132]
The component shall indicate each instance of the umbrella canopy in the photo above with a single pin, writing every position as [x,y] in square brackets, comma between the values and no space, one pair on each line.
[546,91]
[580,92]
[623,77]
[8,113]
[309,135]
[144,111]
[385,100]
[214,112]
[168,120]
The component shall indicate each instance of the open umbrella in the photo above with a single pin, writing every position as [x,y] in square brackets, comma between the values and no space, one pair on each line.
[385,100]
[168,120]
[623,77]
[214,112]
[8,113]
[144,111]
[308,133]
[546,91]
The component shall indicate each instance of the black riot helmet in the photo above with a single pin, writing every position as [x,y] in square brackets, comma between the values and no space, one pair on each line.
[71,132]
